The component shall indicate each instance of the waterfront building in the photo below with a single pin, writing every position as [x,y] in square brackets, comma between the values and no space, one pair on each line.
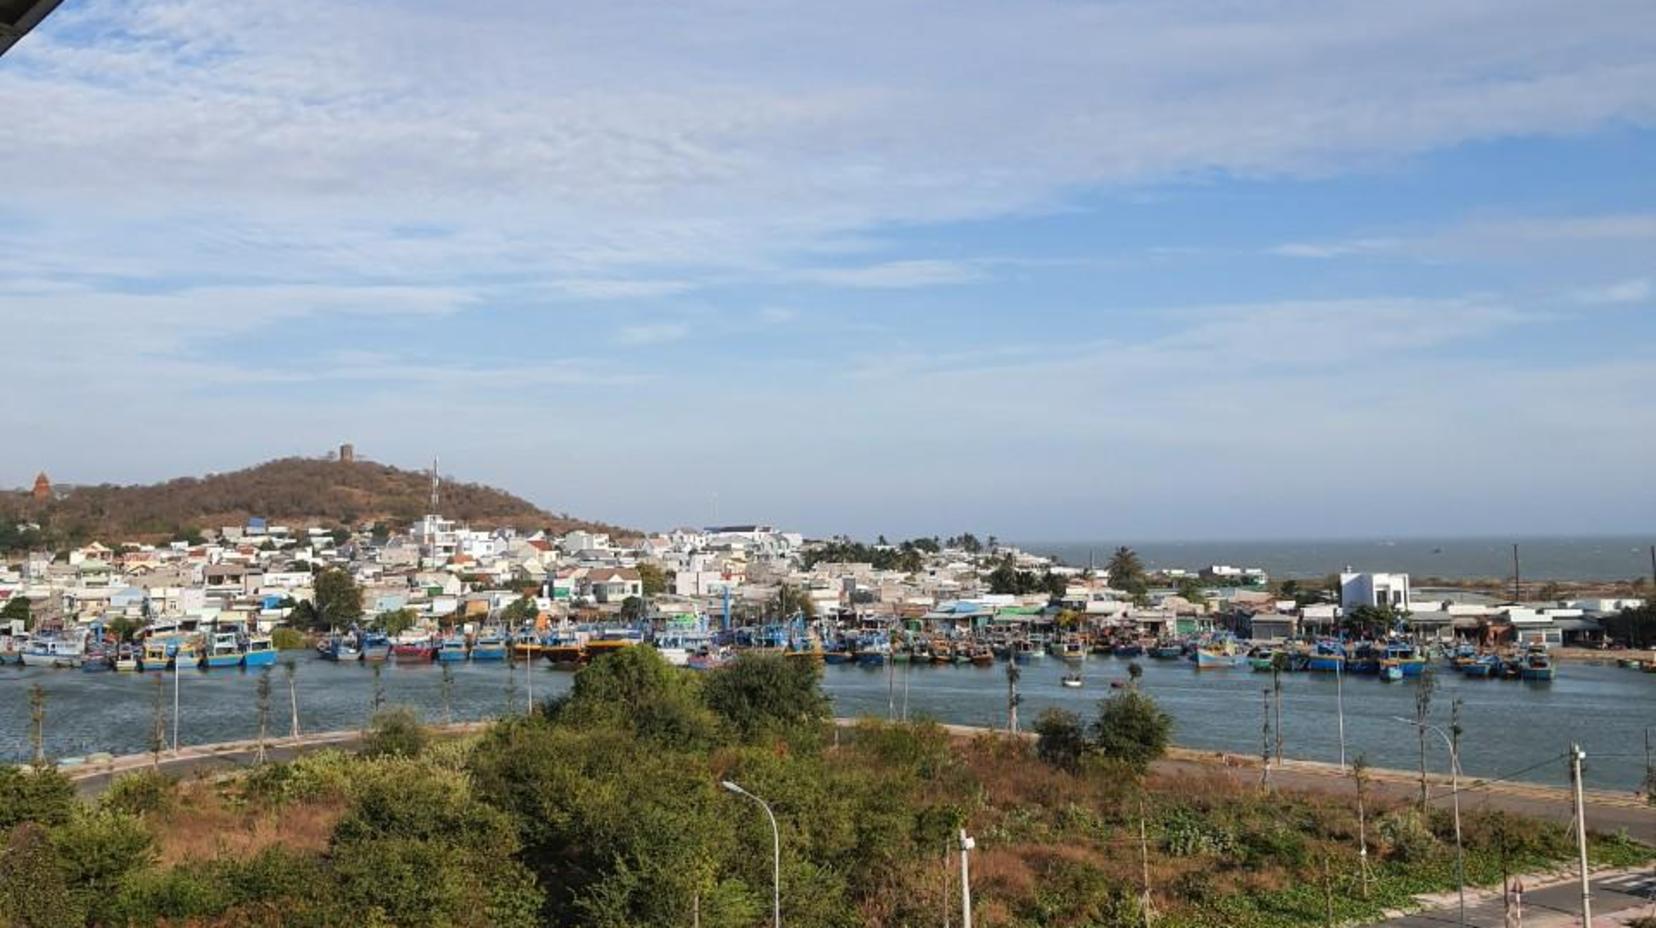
[1374,590]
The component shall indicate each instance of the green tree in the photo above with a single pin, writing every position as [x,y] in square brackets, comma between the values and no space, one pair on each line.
[397,621]
[791,601]
[1061,739]
[1126,571]
[653,579]
[1132,729]
[98,849]
[766,694]
[1190,589]
[394,732]
[633,609]
[636,690]
[1369,621]
[123,628]
[336,598]
[41,795]
[17,609]
[520,612]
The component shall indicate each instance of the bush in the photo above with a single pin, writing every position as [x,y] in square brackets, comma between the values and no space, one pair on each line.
[98,849]
[29,794]
[288,639]
[1061,740]
[33,890]
[1131,728]
[145,792]
[325,773]
[394,733]
[637,690]
[766,693]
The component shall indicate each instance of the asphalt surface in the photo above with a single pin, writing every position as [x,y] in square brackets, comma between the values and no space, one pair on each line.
[1617,898]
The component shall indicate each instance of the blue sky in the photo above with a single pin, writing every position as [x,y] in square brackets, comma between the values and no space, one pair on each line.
[1045,269]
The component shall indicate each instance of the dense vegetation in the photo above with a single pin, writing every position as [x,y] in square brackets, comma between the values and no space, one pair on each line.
[302,491]
[604,809]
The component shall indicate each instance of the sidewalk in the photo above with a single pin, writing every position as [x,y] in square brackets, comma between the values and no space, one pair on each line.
[1550,900]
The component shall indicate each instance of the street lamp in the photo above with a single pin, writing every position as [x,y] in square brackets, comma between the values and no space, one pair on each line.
[1454,789]
[776,839]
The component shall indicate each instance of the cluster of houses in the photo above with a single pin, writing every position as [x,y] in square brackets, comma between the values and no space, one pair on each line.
[255,574]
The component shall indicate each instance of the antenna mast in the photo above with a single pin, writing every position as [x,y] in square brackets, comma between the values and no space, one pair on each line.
[434,484]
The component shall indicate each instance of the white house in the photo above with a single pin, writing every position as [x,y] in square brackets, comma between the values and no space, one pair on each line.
[1379,590]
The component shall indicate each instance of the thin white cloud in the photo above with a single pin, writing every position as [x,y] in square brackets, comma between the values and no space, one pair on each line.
[896,274]
[1361,246]
[1637,290]
[653,333]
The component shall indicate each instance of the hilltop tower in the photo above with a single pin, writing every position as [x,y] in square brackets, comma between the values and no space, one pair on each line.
[42,487]
[347,453]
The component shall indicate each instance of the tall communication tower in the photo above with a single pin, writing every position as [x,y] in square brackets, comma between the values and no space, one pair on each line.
[434,484]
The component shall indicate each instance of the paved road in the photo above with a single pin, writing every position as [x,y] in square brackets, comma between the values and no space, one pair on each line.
[1617,898]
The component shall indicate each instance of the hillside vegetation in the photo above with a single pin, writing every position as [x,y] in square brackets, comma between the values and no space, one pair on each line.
[296,491]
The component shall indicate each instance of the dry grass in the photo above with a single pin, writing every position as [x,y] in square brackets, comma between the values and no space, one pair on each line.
[205,825]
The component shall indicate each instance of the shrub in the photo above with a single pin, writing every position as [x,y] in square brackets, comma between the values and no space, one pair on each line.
[40,795]
[288,639]
[145,792]
[1131,728]
[394,732]
[33,890]
[1061,739]
[766,693]
[98,848]
[637,690]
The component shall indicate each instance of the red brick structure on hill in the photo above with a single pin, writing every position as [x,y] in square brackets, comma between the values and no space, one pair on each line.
[42,487]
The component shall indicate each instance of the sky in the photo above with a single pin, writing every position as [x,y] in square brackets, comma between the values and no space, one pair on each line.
[1056,270]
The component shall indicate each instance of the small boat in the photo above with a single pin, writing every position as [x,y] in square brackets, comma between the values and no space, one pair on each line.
[158,654]
[261,652]
[872,653]
[1408,659]
[224,650]
[128,658]
[1327,657]
[1024,651]
[52,651]
[489,645]
[340,648]
[1071,649]
[414,648]
[1167,651]
[607,641]
[452,650]
[1210,657]
[1537,664]
[1391,669]
[982,656]
[566,649]
[375,646]
[96,660]
[1072,680]
[1128,649]
[1485,666]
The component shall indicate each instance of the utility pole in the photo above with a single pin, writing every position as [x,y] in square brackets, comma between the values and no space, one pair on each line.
[1265,738]
[1577,755]
[966,845]
[37,715]
[178,657]
[1339,705]
[1012,698]
[262,692]
[1517,579]
[1144,864]
[293,697]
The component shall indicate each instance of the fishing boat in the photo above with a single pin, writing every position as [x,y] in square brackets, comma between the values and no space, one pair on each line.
[982,656]
[1071,680]
[223,650]
[677,646]
[1211,657]
[339,648]
[1391,669]
[414,647]
[1262,660]
[128,658]
[709,658]
[96,660]
[261,652]
[375,646]
[1326,657]
[565,648]
[1408,659]
[872,652]
[610,640]
[1485,666]
[1071,649]
[838,653]
[1128,649]
[1024,651]
[1167,651]
[12,648]
[1537,664]
[54,651]
[158,654]
[489,645]
[452,650]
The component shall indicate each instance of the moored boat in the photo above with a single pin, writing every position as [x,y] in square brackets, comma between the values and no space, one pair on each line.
[375,646]
[1391,669]
[128,658]
[414,648]
[1536,664]
[489,645]
[223,650]
[452,650]
[261,652]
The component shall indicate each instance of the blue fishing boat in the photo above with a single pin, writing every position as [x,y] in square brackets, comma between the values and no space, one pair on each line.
[340,648]
[1391,670]
[1485,666]
[489,645]
[1408,659]
[452,650]
[1327,657]
[261,652]
[1536,664]
[375,646]
[223,650]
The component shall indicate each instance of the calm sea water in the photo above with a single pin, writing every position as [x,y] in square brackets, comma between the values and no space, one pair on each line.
[1603,557]
[1513,729]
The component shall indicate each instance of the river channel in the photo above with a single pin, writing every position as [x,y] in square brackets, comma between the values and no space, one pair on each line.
[1515,730]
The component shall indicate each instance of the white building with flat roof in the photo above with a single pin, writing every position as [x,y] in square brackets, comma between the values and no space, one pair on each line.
[1377,590]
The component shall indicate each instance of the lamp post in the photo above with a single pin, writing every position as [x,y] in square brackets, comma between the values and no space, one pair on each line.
[1454,790]
[776,839]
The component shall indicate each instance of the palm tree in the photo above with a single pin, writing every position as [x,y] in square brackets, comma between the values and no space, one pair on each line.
[1125,570]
